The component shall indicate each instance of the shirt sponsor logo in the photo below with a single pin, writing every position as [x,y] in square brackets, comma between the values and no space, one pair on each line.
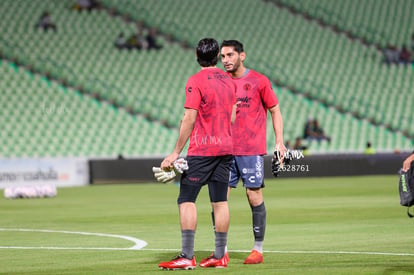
[244,102]
[217,76]
[245,99]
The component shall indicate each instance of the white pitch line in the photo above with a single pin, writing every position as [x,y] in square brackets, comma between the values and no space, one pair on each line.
[338,252]
[64,248]
[138,244]
[206,250]
[300,252]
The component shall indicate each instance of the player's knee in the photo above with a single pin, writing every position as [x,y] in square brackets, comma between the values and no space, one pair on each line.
[254,195]
[182,200]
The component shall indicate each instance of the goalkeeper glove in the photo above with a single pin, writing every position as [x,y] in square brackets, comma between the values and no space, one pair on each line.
[276,165]
[180,165]
[167,176]
[162,175]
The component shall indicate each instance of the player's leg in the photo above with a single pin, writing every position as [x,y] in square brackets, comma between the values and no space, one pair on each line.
[252,174]
[255,197]
[188,221]
[218,186]
[218,197]
[222,217]
[188,218]
[233,180]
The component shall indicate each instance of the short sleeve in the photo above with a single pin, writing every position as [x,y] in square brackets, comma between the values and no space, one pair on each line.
[268,95]
[192,95]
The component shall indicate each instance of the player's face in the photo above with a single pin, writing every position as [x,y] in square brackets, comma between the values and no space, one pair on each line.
[231,59]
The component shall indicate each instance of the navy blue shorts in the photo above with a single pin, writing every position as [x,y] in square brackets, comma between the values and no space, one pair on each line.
[213,171]
[250,169]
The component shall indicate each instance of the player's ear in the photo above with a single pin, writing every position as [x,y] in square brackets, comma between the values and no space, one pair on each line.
[242,56]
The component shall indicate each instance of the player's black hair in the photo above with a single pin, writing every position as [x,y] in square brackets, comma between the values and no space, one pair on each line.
[237,45]
[207,52]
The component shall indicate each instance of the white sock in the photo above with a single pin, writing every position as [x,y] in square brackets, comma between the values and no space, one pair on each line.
[258,246]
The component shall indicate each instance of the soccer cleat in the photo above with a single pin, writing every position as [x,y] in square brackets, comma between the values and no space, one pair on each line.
[210,261]
[179,262]
[226,256]
[255,257]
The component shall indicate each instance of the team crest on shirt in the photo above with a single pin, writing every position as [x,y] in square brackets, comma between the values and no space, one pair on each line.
[247,87]
[190,89]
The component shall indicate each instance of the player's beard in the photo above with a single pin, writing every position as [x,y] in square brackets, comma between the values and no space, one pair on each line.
[235,66]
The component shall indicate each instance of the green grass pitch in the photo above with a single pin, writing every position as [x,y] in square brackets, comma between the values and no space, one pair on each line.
[340,225]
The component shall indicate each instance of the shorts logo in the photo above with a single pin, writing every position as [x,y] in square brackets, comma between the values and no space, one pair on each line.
[247,171]
[259,167]
[252,179]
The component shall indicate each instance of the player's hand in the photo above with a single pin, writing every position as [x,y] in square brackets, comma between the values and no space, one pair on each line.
[167,175]
[407,163]
[281,152]
[167,163]
[275,165]
[278,160]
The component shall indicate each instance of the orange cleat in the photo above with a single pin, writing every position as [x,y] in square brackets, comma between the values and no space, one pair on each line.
[255,257]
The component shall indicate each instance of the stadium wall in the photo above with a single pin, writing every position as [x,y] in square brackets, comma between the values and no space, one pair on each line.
[138,170]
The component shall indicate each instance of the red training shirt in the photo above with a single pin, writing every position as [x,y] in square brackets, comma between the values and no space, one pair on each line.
[212,93]
[256,95]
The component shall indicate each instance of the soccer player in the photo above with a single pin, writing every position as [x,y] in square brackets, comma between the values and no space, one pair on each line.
[255,94]
[210,108]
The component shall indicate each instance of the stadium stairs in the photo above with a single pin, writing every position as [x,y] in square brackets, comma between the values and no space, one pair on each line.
[104,89]
[356,19]
[371,37]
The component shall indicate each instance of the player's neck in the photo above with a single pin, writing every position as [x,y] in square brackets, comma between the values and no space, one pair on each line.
[241,71]
[210,67]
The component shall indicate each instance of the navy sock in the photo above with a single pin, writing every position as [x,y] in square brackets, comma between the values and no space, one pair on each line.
[259,222]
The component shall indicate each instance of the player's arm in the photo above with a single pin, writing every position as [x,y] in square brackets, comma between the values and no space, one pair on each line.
[187,125]
[233,112]
[277,127]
